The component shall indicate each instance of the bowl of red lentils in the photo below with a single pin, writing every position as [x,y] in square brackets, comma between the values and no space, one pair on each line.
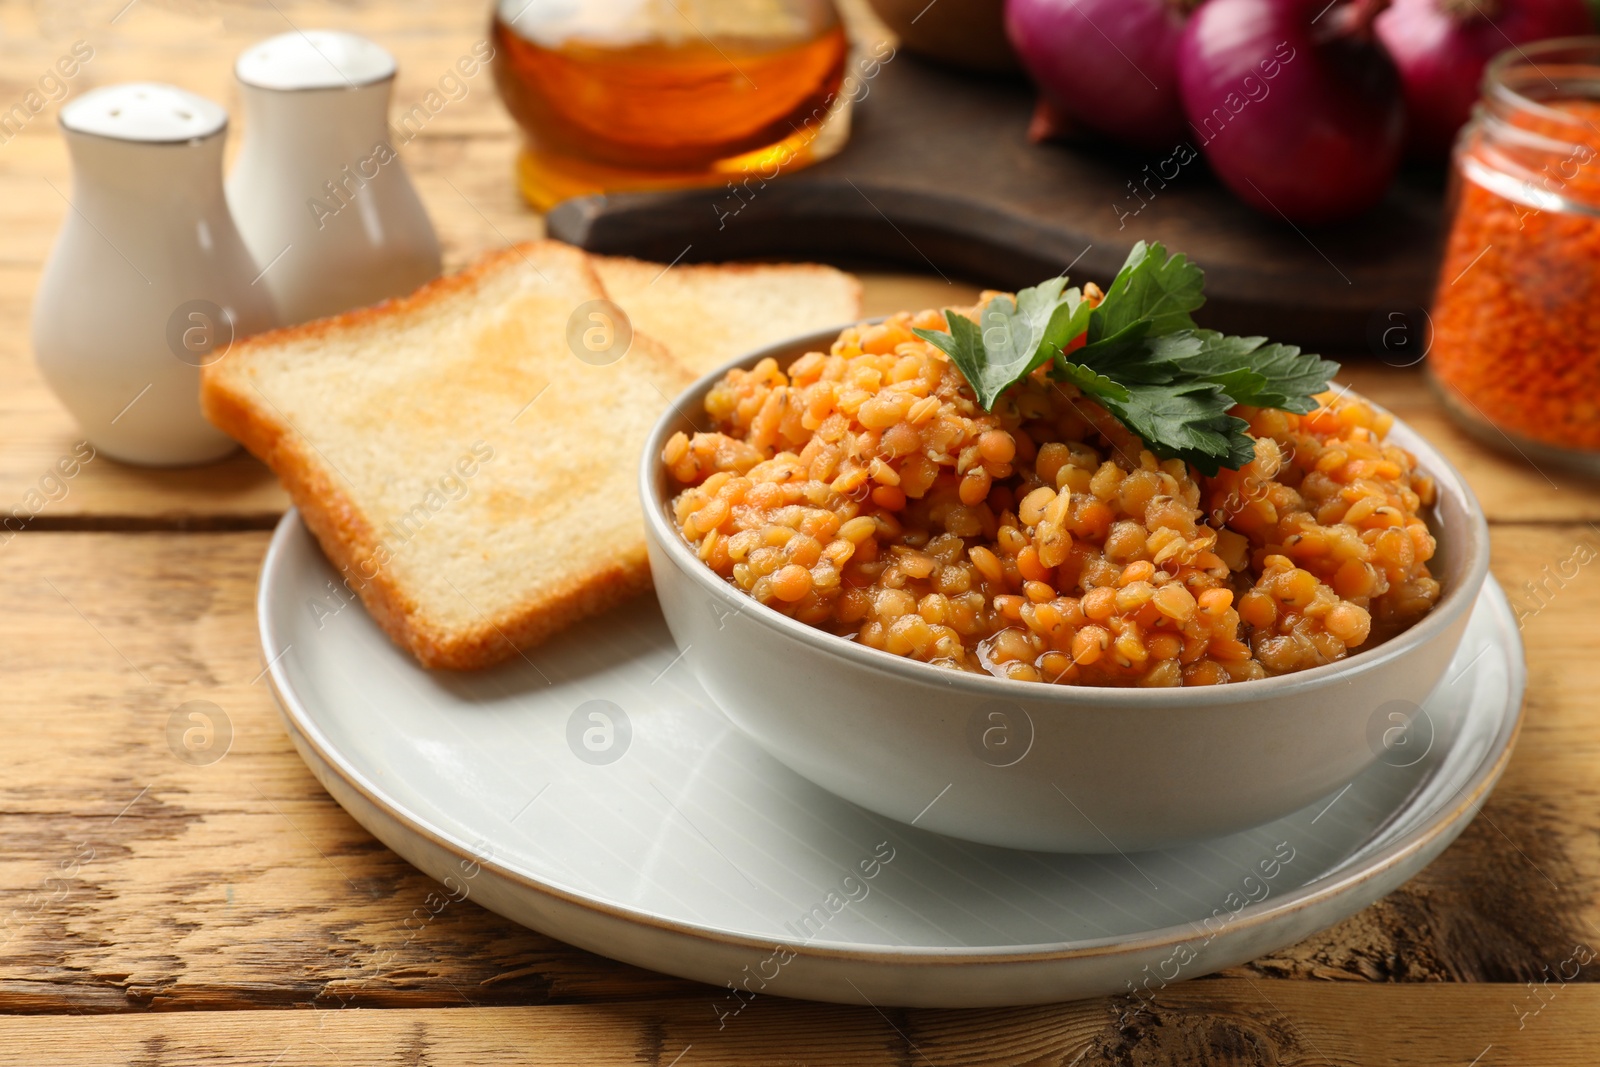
[1021,627]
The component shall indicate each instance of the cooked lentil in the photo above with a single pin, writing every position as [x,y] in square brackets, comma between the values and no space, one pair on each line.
[866,492]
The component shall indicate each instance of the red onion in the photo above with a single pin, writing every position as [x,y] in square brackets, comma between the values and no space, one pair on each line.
[1297,108]
[1107,63]
[1441,47]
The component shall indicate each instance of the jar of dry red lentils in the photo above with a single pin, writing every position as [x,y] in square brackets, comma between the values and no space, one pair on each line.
[1516,318]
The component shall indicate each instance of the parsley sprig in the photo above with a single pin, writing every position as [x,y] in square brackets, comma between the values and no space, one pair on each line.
[1142,358]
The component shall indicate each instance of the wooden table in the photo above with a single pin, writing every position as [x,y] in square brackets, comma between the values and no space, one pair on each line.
[152,912]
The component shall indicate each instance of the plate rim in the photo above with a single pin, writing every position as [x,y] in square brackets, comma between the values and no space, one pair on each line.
[1265,913]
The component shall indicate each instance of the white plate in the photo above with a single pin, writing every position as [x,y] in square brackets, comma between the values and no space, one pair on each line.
[692,852]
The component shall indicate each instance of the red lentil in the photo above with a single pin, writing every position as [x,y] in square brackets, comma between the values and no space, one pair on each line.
[1517,314]
[1084,560]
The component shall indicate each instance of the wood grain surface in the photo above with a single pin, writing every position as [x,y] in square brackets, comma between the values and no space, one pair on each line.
[158,913]
[132,880]
[1201,1024]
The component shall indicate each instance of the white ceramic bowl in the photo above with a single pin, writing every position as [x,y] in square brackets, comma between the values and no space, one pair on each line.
[1037,766]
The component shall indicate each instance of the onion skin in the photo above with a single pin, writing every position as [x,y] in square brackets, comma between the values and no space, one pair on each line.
[1109,64]
[1300,115]
[1441,47]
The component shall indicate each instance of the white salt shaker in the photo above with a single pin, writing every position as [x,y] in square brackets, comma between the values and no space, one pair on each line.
[148,279]
[319,193]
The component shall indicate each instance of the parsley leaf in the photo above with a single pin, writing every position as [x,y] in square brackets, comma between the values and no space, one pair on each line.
[1013,336]
[1250,370]
[964,345]
[1089,381]
[1291,379]
[1150,286]
[1131,356]
[1187,420]
[1141,357]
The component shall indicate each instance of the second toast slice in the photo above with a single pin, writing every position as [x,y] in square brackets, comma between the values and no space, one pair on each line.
[707,313]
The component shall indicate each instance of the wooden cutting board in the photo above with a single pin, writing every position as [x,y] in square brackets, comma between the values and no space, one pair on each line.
[939,176]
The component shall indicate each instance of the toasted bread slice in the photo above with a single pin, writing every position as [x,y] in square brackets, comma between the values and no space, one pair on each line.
[706,314]
[470,476]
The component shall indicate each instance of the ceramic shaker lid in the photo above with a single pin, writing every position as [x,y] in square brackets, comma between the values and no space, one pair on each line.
[314,59]
[144,111]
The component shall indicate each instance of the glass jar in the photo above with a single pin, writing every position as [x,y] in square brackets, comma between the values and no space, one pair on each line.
[617,95]
[1516,318]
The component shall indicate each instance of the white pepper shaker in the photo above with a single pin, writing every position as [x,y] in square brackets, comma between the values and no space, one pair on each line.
[148,279]
[318,190]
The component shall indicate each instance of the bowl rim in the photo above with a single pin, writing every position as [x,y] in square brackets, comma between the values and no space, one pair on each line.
[1457,599]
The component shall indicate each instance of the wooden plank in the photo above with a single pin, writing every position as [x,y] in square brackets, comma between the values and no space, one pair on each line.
[241,884]
[1227,1021]
[132,881]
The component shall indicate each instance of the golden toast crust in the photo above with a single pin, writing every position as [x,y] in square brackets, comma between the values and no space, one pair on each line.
[338,522]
